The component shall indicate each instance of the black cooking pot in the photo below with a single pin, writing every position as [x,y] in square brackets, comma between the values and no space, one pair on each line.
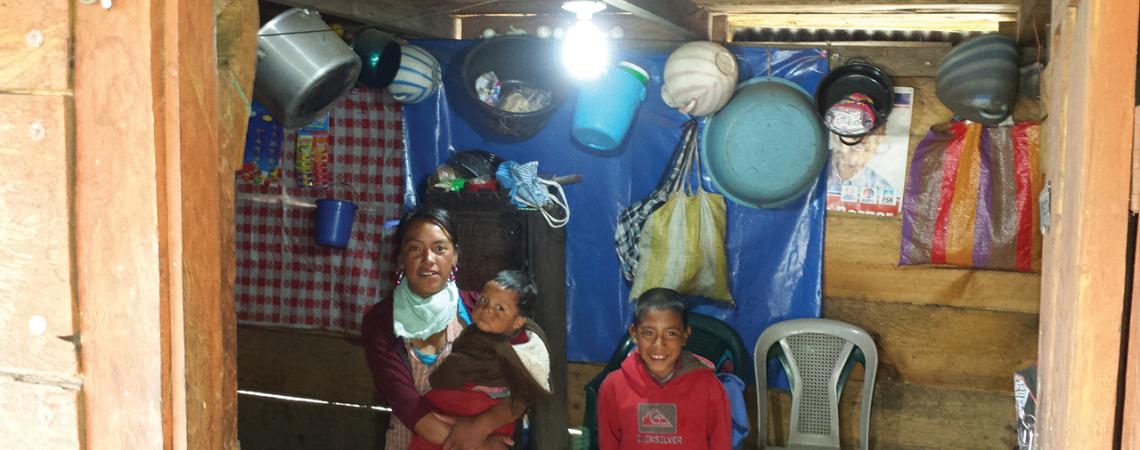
[379,54]
[856,77]
[475,163]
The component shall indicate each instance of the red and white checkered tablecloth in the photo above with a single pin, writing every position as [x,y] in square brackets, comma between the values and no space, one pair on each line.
[283,277]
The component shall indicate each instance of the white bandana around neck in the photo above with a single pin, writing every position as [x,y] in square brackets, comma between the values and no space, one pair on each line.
[415,317]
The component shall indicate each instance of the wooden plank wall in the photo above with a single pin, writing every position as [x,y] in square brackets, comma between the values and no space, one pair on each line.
[949,339]
[39,379]
[98,104]
[307,365]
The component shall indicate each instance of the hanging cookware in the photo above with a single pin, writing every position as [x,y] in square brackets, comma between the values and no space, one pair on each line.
[418,77]
[699,78]
[519,64]
[849,87]
[379,54]
[978,79]
[303,68]
[767,146]
[475,163]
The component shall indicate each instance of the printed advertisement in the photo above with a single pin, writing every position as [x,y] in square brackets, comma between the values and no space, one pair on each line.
[867,176]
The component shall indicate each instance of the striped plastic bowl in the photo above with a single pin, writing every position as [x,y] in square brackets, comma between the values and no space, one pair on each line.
[418,77]
[699,78]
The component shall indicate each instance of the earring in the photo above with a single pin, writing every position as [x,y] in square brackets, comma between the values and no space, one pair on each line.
[454,270]
[399,276]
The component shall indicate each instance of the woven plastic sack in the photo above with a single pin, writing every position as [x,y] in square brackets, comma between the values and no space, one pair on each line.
[627,234]
[682,244]
[972,198]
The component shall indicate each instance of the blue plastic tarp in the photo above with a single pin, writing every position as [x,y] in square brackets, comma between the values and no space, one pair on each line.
[775,255]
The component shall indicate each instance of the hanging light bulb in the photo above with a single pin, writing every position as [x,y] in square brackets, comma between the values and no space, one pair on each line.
[585,50]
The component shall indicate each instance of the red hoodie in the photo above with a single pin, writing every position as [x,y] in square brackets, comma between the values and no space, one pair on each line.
[690,411]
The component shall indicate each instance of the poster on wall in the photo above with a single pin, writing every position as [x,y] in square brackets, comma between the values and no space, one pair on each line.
[262,158]
[312,153]
[867,177]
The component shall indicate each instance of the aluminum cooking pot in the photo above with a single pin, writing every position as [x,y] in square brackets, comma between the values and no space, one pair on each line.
[303,68]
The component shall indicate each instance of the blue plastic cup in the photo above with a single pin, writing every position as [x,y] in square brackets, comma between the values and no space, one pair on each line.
[606,106]
[334,222]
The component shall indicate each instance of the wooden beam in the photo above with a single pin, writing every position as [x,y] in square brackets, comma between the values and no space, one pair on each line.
[119,265]
[720,30]
[984,22]
[237,23]
[403,17]
[148,221]
[1033,21]
[676,16]
[899,59]
[843,7]
[191,205]
[634,27]
[1089,140]
[1130,419]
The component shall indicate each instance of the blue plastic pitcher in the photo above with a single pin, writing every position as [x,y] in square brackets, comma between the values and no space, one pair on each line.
[606,106]
[334,222]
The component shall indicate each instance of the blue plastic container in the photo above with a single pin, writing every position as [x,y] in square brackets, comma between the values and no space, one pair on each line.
[606,106]
[334,222]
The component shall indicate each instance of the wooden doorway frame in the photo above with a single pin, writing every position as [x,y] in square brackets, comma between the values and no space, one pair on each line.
[150,240]
[153,252]
[1087,154]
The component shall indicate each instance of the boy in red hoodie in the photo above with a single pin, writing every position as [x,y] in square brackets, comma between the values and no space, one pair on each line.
[663,397]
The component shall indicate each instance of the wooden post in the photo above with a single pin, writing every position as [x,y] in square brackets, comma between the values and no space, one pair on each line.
[154,303]
[1130,422]
[1087,151]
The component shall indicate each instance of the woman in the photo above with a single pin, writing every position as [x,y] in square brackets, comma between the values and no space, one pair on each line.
[404,336]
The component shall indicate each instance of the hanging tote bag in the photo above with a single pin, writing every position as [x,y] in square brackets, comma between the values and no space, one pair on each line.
[972,198]
[682,244]
[631,220]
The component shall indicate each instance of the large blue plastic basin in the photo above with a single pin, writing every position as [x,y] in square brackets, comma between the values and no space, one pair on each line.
[767,146]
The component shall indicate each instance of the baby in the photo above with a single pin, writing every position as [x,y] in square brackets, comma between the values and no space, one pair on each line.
[502,356]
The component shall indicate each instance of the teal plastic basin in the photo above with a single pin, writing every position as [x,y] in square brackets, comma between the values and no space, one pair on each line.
[767,146]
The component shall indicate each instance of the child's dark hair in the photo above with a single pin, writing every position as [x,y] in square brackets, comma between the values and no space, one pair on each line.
[522,285]
[660,299]
[438,216]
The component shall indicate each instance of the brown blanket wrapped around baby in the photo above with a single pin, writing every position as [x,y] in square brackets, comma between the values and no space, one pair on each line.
[488,359]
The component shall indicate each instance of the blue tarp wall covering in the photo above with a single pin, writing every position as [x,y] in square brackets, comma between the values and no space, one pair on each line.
[775,255]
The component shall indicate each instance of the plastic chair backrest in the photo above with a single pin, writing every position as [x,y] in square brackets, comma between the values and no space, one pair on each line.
[816,355]
[712,339]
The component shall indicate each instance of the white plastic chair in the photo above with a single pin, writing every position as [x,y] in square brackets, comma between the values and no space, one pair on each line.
[817,355]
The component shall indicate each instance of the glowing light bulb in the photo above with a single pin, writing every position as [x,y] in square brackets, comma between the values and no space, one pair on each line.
[585,50]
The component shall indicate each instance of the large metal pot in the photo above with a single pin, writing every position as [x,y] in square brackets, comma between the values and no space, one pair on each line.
[303,68]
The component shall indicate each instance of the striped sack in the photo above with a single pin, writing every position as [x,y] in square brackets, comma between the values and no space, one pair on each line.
[971,198]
